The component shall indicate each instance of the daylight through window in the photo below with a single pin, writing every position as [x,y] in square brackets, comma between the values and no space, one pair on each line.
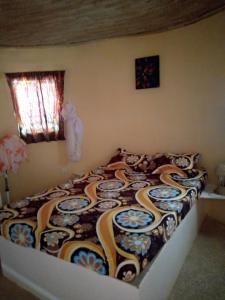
[37,101]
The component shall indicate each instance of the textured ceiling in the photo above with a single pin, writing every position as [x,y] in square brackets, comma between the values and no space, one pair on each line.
[58,22]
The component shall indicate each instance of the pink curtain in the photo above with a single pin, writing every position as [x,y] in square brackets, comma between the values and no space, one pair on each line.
[37,100]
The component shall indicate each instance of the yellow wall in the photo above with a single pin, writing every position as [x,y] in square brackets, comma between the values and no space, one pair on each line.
[187,112]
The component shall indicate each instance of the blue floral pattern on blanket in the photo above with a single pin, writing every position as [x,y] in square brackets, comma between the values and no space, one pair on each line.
[91,261]
[164,192]
[22,235]
[134,218]
[138,243]
[73,204]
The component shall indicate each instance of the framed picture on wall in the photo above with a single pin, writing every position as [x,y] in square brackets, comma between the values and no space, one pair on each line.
[147,72]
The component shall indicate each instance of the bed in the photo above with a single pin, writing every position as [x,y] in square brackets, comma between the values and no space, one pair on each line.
[120,231]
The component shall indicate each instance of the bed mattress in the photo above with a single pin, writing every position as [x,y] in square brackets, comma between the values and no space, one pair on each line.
[112,220]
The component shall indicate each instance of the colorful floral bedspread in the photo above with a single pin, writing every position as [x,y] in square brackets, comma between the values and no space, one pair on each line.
[113,220]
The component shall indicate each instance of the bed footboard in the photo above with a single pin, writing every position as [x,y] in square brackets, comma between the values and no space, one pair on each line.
[51,278]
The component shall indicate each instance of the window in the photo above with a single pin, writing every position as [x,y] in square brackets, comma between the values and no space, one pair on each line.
[37,100]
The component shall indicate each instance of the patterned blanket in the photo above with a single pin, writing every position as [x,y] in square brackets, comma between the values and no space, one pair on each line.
[113,220]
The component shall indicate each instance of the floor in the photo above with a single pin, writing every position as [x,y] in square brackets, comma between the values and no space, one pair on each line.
[202,276]
[11,291]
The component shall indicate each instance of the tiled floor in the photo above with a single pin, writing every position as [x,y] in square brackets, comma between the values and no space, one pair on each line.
[202,276]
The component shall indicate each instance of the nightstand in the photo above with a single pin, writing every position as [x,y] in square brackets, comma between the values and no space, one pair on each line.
[213,203]
[209,193]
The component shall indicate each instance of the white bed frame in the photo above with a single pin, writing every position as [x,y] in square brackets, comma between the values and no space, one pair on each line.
[51,278]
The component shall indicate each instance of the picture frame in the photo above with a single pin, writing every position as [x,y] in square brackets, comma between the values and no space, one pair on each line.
[147,72]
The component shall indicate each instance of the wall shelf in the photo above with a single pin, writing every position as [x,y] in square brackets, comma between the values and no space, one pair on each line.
[209,193]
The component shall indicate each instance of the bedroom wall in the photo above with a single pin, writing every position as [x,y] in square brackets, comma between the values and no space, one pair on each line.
[185,114]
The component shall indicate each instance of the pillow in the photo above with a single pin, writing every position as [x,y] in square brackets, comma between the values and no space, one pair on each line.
[130,158]
[148,163]
[139,162]
[186,161]
[195,178]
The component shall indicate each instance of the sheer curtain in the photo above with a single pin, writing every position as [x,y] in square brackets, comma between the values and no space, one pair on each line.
[37,100]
